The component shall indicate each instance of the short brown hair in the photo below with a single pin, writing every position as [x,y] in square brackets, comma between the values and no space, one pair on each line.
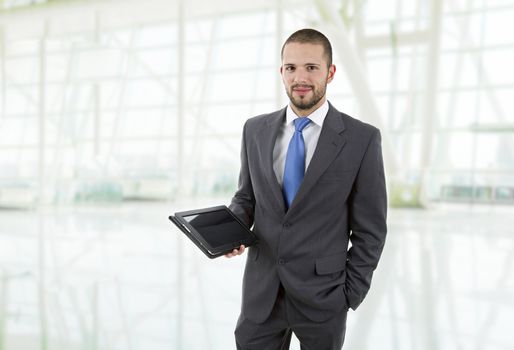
[310,36]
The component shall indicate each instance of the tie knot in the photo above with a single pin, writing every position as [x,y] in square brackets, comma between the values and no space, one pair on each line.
[301,123]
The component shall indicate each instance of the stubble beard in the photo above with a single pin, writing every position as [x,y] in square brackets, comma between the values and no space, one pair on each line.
[304,103]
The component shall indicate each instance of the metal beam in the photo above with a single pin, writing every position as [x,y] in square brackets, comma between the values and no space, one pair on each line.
[279,30]
[41,116]
[42,190]
[2,72]
[430,120]
[181,36]
[333,24]
[96,96]
[4,289]
[401,39]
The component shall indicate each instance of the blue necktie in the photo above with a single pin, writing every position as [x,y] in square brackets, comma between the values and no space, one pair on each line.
[294,169]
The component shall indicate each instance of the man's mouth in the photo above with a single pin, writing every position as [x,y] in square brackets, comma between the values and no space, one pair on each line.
[302,90]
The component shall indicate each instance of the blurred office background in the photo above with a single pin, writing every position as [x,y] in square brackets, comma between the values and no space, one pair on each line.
[115,114]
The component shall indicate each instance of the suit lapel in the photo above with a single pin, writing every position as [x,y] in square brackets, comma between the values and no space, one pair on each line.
[268,135]
[330,143]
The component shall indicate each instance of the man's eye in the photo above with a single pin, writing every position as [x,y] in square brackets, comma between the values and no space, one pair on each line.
[289,68]
[311,67]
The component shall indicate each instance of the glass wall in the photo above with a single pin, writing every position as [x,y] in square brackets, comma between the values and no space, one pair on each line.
[93,114]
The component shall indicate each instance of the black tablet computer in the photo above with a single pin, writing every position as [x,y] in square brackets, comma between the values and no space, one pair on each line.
[216,230]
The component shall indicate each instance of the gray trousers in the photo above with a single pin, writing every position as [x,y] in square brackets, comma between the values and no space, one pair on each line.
[275,333]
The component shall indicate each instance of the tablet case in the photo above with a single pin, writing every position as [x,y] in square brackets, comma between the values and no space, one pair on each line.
[204,249]
[193,239]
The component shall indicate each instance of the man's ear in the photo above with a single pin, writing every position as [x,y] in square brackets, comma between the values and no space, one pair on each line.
[281,69]
[331,72]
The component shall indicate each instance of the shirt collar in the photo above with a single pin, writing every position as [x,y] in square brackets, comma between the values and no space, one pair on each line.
[317,117]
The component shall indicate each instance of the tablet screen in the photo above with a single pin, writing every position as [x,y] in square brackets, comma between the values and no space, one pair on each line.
[217,227]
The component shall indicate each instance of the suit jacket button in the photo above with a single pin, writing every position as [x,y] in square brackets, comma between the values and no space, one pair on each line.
[281,261]
[287,224]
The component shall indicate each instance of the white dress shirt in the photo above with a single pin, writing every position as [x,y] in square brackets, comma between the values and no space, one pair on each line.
[310,136]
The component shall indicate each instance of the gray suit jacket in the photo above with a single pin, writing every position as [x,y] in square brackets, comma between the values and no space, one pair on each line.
[342,198]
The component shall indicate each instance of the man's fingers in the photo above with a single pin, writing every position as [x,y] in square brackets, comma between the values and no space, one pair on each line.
[236,252]
[231,254]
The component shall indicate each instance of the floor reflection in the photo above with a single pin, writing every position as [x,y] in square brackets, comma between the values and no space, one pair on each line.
[122,277]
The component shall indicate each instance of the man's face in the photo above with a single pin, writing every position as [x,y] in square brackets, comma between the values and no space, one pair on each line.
[305,75]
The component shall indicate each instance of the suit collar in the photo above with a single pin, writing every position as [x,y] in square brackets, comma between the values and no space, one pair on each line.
[334,120]
[317,117]
[268,135]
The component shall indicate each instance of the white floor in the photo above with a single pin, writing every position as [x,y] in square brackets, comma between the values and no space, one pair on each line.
[121,277]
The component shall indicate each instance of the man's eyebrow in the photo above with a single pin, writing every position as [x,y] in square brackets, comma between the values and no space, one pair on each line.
[305,64]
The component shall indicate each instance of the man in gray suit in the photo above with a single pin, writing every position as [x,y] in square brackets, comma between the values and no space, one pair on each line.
[311,181]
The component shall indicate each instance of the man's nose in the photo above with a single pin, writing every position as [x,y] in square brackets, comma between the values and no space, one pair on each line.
[300,76]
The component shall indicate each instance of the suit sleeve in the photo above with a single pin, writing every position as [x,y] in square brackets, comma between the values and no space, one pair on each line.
[368,211]
[243,202]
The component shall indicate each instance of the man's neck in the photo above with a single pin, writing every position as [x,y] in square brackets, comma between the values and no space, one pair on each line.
[306,112]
